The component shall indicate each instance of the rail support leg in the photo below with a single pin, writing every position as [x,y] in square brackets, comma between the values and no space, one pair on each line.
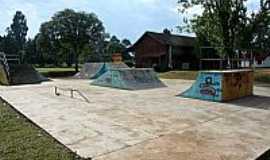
[71,93]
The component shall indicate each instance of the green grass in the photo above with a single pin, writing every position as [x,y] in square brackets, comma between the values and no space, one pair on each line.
[261,75]
[22,140]
[57,72]
[186,75]
[45,70]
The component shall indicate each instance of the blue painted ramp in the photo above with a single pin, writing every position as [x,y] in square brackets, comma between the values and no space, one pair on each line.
[208,86]
[103,69]
[129,79]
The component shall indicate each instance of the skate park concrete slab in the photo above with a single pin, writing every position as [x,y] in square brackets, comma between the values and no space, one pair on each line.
[146,124]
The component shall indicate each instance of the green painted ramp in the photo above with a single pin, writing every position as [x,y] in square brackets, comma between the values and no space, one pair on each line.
[129,79]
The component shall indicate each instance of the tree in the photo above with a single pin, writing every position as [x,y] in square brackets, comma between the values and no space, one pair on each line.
[222,23]
[31,51]
[8,45]
[18,32]
[125,53]
[126,43]
[227,24]
[73,31]
[114,45]
[258,31]
[48,43]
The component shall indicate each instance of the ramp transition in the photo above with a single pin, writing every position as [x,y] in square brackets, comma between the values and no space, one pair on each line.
[3,75]
[94,70]
[222,86]
[20,74]
[129,79]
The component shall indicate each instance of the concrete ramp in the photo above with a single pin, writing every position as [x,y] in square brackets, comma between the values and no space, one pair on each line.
[89,70]
[94,70]
[3,75]
[21,74]
[220,86]
[130,79]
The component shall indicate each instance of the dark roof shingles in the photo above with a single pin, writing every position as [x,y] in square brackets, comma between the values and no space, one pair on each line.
[171,39]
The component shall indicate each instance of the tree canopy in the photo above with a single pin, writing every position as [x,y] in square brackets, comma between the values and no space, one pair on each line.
[227,24]
[16,35]
[259,28]
[73,32]
[68,38]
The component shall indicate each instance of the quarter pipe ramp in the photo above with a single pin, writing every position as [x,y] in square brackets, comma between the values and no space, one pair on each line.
[20,74]
[220,86]
[129,79]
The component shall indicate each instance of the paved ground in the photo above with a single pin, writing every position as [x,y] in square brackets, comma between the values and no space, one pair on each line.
[147,125]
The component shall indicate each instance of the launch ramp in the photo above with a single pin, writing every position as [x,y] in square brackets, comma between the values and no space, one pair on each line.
[129,79]
[94,70]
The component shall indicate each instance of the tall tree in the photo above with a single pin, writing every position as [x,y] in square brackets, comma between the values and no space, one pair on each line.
[115,45]
[8,45]
[75,31]
[31,51]
[258,31]
[18,31]
[126,43]
[48,43]
[221,23]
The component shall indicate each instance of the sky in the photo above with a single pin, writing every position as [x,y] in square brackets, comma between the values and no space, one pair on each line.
[123,18]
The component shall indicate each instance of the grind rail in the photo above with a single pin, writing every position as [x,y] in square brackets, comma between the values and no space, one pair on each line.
[72,91]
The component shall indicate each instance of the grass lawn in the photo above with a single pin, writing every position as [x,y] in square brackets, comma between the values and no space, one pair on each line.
[57,72]
[22,140]
[261,75]
[186,75]
[46,70]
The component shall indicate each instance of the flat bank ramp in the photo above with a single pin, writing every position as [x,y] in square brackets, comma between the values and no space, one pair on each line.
[94,70]
[129,79]
[24,74]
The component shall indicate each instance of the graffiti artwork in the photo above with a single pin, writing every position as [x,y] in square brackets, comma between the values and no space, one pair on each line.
[208,88]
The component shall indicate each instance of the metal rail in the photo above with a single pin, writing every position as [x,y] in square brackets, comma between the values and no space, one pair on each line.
[72,91]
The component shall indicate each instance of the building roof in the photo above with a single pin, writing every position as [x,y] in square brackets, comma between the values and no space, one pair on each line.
[169,39]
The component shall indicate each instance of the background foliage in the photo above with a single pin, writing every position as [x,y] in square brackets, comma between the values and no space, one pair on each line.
[68,38]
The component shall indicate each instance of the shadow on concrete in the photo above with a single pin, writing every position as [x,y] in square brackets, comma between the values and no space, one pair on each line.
[265,156]
[256,101]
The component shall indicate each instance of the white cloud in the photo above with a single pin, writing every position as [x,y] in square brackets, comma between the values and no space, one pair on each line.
[124,18]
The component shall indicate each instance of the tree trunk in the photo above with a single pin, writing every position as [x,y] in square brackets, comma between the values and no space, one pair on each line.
[76,62]
[77,67]
[76,59]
